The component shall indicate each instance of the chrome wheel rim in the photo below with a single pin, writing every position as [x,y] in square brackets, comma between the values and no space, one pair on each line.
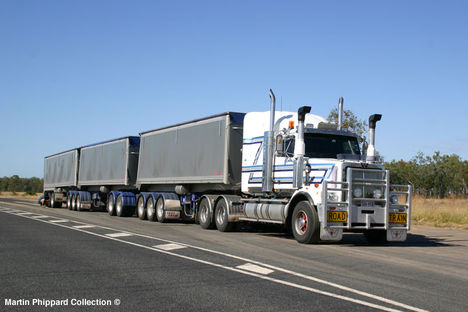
[220,215]
[141,207]
[78,203]
[160,208]
[118,206]
[204,214]
[110,204]
[301,223]
[73,203]
[150,209]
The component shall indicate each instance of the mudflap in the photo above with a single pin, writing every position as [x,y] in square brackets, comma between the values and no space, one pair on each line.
[396,235]
[327,234]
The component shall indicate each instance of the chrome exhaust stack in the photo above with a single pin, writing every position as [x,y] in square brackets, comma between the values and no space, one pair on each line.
[371,149]
[299,147]
[268,149]
[340,114]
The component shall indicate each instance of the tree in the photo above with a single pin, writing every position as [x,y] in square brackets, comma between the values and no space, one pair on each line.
[350,121]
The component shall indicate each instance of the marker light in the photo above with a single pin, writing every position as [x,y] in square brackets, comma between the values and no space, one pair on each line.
[291,124]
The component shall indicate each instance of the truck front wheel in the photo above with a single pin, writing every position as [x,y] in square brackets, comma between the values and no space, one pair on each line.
[305,223]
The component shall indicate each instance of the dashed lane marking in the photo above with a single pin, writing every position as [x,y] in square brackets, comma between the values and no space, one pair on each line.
[119,234]
[170,246]
[255,268]
[84,226]
[59,221]
[40,217]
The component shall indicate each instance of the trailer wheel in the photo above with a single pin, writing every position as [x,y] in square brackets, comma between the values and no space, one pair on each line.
[160,210]
[150,211]
[141,211]
[305,223]
[205,215]
[119,207]
[73,201]
[78,203]
[53,202]
[221,217]
[69,203]
[110,205]
[376,236]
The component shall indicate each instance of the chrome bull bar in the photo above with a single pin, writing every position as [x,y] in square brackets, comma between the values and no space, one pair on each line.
[343,200]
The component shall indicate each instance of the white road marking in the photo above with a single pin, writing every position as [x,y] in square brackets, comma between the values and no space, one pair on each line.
[39,217]
[255,268]
[24,213]
[310,289]
[84,226]
[169,246]
[119,234]
[59,221]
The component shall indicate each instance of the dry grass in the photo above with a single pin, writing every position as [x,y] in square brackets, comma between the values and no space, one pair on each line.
[447,212]
[20,195]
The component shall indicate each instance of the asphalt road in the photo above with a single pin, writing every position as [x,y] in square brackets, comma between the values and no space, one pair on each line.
[57,254]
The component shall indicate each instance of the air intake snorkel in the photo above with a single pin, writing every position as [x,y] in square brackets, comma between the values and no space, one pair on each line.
[299,147]
[371,149]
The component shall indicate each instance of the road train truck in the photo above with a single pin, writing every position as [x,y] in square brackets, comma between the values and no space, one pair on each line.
[290,168]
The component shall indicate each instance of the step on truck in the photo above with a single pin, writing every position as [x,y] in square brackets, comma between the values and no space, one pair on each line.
[290,168]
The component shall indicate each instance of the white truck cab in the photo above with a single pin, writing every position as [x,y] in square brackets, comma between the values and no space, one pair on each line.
[300,170]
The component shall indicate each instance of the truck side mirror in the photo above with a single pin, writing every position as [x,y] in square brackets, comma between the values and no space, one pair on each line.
[279,145]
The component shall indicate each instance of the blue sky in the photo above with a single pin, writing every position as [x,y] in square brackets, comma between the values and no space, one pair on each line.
[79,72]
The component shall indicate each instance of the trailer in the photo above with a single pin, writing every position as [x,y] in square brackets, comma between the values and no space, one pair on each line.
[60,173]
[86,177]
[180,163]
[290,168]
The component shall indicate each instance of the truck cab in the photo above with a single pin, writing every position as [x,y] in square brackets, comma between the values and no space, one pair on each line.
[321,181]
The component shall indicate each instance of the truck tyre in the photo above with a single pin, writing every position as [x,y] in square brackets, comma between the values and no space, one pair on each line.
[205,215]
[110,205]
[69,203]
[119,207]
[376,236]
[150,211]
[73,202]
[221,217]
[160,211]
[78,203]
[305,223]
[53,202]
[141,211]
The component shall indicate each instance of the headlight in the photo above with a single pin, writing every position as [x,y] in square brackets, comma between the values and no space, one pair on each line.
[357,192]
[394,199]
[308,168]
[332,197]
[377,193]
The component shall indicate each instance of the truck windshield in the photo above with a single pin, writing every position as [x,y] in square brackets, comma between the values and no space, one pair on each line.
[320,145]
